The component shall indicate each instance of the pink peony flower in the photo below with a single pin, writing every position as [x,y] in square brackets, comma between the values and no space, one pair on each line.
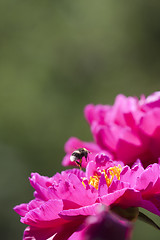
[127,131]
[63,202]
[130,129]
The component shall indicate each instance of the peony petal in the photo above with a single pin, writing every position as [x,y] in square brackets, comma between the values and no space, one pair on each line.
[21,209]
[96,113]
[44,215]
[131,175]
[151,101]
[150,121]
[110,198]
[148,178]
[129,146]
[83,211]
[80,174]
[106,136]
[41,185]
[102,188]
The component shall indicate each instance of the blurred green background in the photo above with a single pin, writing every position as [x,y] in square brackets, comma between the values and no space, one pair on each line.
[56,57]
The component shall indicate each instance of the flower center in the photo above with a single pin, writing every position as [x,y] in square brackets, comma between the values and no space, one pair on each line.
[109,175]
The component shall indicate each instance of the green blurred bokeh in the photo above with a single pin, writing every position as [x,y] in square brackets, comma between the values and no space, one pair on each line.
[56,57]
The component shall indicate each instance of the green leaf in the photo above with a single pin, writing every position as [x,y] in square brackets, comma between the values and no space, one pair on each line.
[146,219]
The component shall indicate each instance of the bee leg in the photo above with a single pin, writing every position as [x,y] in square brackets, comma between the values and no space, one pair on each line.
[80,161]
[78,164]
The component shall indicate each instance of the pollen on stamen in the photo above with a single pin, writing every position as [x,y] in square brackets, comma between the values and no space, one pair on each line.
[94,181]
[109,176]
[113,171]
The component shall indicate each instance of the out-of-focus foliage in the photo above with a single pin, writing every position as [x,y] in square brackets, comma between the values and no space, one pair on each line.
[56,57]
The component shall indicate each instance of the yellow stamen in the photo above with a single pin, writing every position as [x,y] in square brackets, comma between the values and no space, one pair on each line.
[84,179]
[94,181]
[113,171]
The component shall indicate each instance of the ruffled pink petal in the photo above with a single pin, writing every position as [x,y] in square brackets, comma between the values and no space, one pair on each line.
[102,160]
[148,178]
[130,119]
[34,204]
[83,211]
[21,209]
[80,174]
[82,196]
[106,136]
[41,185]
[118,185]
[129,146]
[154,189]
[124,197]
[41,192]
[122,106]
[72,189]
[151,101]
[130,175]
[110,198]
[44,181]
[67,204]
[102,188]
[96,113]
[44,215]
[150,121]
[90,169]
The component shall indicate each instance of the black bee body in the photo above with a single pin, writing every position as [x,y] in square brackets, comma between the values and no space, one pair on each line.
[77,156]
[80,152]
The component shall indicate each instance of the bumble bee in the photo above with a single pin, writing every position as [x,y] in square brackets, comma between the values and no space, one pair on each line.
[77,156]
